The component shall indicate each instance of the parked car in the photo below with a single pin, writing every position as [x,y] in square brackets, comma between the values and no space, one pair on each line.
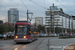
[65,35]
[4,35]
[1,36]
[60,34]
[12,34]
[73,34]
[55,34]
[43,35]
[46,34]
[9,35]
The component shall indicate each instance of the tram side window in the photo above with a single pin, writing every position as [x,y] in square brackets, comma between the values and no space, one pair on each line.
[25,30]
[37,30]
[34,29]
[29,29]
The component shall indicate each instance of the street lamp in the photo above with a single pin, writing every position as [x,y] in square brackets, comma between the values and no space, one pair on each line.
[49,27]
[71,24]
[62,25]
[65,24]
[57,24]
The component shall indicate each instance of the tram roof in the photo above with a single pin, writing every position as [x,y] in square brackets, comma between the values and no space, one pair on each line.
[24,23]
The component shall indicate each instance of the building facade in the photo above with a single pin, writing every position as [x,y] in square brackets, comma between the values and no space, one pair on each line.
[13,15]
[38,21]
[73,22]
[53,19]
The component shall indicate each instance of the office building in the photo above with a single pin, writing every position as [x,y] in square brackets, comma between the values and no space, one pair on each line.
[13,15]
[53,19]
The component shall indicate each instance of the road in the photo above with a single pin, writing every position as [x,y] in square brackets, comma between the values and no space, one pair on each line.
[11,45]
[40,44]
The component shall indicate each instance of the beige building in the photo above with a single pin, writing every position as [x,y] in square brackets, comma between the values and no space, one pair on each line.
[38,21]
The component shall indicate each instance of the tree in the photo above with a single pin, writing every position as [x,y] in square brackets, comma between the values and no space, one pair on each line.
[41,28]
[9,28]
[2,29]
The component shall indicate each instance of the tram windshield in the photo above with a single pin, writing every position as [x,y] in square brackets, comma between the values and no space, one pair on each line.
[21,29]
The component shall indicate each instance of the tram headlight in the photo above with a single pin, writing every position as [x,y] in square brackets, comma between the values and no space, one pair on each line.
[24,37]
[16,36]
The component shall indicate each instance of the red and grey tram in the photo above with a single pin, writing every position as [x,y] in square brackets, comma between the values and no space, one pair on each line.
[25,32]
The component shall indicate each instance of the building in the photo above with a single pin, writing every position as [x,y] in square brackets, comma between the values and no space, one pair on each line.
[13,15]
[53,19]
[73,22]
[1,22]
[38,21]
[5,19]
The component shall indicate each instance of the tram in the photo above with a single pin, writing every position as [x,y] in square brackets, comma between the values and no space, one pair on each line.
[25,32]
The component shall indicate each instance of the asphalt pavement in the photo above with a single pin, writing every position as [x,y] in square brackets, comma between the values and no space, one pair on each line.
[50,43]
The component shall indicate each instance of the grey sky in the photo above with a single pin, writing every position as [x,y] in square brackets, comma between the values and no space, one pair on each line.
[38,11]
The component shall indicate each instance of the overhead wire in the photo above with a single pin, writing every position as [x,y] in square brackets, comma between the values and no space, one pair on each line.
[65,7]
[2,6]
[44,2]
[38,4]
[34,3]
[24,5]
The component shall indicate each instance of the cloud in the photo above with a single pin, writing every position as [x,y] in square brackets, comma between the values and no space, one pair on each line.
[25,19]
[38,11]
[3,18]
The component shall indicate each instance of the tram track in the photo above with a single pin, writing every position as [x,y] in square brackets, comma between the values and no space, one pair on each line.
[41,46]
[6,47]
[18,47]
[38,44]
[12,46]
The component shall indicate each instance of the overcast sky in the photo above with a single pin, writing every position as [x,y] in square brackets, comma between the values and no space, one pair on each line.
[37,11]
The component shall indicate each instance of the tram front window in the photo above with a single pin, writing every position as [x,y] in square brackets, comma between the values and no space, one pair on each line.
[21,30]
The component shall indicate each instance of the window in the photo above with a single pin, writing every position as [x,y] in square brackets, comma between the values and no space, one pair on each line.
[21,29]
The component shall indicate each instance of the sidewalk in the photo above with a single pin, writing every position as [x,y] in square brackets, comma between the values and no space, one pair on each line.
[70,47]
